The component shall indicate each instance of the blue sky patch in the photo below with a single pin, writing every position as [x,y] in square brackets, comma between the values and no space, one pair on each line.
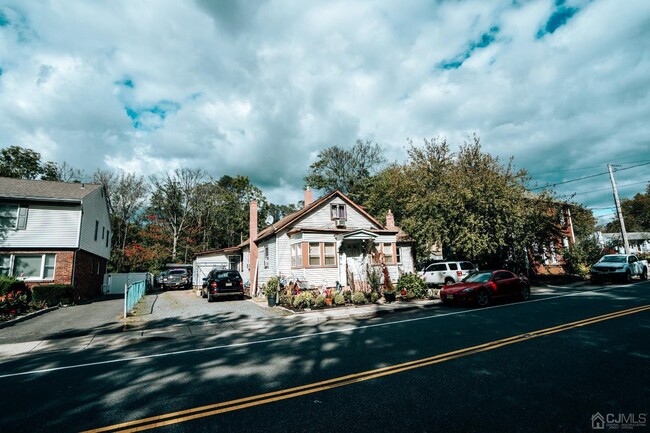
[150,118]
[485,41]
[558,18]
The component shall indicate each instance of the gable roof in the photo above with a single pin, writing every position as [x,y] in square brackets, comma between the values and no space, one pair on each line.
[305,211]
[45,190]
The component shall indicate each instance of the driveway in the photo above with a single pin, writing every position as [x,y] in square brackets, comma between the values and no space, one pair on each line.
[157,310]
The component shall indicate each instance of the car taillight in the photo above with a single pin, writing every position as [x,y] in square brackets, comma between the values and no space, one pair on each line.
[213,284]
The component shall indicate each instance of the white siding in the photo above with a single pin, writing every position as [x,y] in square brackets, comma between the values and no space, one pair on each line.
[269,249]
[284,252]
[407,259]
[95,209]
[322,218]
[322,276]
[48,226]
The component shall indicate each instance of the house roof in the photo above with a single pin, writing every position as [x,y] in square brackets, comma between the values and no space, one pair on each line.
[45,189]
[632,236]
[219,251]
[292,218]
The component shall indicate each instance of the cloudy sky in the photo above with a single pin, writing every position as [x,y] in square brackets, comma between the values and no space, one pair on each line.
[258,88]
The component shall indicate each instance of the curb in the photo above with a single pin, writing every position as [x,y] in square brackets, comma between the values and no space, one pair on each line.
[27,317]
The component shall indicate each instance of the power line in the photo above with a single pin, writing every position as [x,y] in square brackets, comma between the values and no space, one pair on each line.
[586,168]
[586,177]
[609,188]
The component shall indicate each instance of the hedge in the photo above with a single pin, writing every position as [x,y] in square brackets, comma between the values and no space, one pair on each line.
[52,294]
[11,285]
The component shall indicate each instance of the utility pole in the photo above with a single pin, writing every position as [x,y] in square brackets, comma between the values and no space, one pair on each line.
[618,210]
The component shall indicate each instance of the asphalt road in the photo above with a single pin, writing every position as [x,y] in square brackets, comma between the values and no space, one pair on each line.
[547,365]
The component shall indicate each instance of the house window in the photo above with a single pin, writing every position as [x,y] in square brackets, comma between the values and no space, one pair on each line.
[28,266]
[96,230]
[339,212]
[296,256]
[314,253]
[265,257]
[108,235]
[330,253]
[387,249]
[103,232]
[13,216]
[399,255]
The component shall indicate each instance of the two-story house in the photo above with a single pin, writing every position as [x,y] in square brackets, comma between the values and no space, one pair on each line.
[55,233]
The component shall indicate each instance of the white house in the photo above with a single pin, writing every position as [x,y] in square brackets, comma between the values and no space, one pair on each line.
[324,243]
[639,241]
[55,233]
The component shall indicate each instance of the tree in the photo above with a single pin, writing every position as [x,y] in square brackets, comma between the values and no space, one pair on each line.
[345,169]
[127,194]
[173,200]
[20,163]
[636,213]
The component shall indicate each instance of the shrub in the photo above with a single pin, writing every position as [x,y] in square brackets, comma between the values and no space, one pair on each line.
[52,294]
[303,300]
[374,297]
[578,260]
[286,299]
[319,302]
[359,298]
[11,285]
[415,286]
[347,295]
[271,287]
[339,299]
[14,303]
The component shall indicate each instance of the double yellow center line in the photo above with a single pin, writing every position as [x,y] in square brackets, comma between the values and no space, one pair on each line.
[257,400]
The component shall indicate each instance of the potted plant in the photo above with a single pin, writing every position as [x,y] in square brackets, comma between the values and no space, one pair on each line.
[271,290]
[328,297]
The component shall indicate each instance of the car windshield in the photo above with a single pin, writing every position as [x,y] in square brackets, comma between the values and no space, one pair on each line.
[478,277]
[177,272]
[614,259]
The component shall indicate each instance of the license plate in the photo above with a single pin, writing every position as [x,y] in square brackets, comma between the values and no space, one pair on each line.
[450,296]
[228,284]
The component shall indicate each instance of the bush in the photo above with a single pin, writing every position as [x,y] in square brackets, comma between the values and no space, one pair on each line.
[579,258]
[11,285]
[359,298]
[271,287]
[286,299]
[14,303]
[319,302]
[339,299]
[374,297]
[347,295]
[303,300]
[52,294]
[415,286]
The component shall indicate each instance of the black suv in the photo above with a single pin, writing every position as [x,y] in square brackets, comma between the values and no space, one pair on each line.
[223,282]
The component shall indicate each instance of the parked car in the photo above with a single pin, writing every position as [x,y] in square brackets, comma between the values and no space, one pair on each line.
[447,272]
[177,279]
[223,282]
[618,266]
[160,278]
[483,286]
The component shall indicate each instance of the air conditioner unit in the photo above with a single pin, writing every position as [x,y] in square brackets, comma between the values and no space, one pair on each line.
[339,222]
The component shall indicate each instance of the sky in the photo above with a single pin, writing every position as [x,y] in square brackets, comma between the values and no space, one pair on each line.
[258,88]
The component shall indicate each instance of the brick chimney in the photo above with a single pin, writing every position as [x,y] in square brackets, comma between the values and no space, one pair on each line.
[253,247]
[390,220]
[309,196]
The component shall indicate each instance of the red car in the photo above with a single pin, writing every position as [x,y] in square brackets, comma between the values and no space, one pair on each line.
[484,286]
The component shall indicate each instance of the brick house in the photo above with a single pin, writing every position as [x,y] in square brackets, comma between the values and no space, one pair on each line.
[55,233]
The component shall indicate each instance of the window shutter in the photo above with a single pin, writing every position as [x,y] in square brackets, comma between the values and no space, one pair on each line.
[21,224]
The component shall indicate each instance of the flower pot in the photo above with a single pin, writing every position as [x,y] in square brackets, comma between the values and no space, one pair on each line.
[328,302]
[271,300]
[389,296]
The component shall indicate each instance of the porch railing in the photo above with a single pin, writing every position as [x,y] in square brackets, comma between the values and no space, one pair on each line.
[132,294]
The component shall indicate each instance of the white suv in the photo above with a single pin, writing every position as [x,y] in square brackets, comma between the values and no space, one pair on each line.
[447,272]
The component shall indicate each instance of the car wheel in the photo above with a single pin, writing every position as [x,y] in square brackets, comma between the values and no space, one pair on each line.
[242,297]
[628,276]
[209,298]
[644,274]
[449,281]
[483,298]
[525,293]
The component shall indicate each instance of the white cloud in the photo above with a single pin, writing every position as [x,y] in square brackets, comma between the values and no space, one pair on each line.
[258,88]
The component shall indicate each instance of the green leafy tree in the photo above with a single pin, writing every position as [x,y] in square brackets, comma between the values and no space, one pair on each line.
[345,169]
[636,213]
[21,163]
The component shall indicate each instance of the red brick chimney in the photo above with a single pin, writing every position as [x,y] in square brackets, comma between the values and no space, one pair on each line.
[390,220]
[253,247]
[309,196]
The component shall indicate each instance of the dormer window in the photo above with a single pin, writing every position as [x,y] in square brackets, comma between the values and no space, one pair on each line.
[339,212]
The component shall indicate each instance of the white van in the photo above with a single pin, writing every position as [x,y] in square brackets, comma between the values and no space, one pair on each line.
[447,272]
